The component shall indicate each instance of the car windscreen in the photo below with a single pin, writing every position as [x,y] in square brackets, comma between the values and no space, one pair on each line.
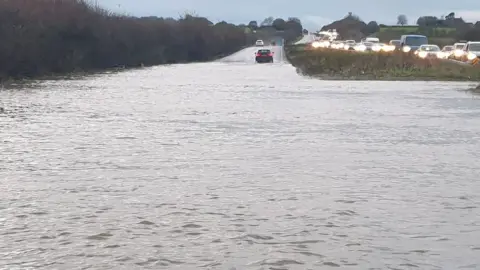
[448,48]
[475,47]
[430,48]
[459,46]
[395,42]
[415,40]
[263,51]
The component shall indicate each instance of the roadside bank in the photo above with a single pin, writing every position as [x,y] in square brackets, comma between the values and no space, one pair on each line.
[334,64]
[48,38]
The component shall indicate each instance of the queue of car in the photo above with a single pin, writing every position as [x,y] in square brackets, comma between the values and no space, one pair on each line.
[417,44]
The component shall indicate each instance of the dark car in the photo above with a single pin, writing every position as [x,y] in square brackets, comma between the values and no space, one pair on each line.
[264,56]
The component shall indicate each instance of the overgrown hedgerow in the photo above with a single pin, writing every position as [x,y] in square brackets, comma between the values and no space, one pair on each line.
[41,37]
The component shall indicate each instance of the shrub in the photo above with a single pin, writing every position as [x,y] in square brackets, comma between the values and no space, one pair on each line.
[41,37]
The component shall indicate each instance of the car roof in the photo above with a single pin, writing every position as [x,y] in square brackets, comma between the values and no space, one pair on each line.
[413,36]
[473,42]
[263,50]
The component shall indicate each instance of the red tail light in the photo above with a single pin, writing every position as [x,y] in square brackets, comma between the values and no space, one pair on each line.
[258,54]
[270,54]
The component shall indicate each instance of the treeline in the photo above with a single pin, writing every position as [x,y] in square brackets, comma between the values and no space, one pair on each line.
[289,29]
[40,37]
[352,27]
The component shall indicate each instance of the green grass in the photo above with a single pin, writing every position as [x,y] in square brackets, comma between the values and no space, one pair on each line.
[414,28]
[399,28]
[440,32]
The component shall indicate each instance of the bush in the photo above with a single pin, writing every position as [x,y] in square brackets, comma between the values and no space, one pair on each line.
[40,37]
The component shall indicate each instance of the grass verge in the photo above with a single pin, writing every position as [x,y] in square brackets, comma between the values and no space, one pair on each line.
[339,64]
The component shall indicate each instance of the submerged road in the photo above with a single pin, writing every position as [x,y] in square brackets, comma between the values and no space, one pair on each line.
[237,165]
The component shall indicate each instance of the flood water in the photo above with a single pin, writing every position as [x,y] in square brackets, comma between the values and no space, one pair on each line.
[233,165]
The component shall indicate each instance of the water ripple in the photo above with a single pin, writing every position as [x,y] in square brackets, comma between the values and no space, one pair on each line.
[238,166]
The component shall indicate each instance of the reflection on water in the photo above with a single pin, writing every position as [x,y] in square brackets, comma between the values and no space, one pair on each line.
[238,166]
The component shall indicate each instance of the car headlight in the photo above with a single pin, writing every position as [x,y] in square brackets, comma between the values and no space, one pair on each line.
[441,55]
[388,48]
[361,48]
[471,56]
[406,48]
[422,54]
[376,48]
[316,44]
[458,53]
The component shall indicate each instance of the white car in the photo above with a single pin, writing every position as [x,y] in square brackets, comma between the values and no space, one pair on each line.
[458,50]
[259,43]
[471,52]
[429,51]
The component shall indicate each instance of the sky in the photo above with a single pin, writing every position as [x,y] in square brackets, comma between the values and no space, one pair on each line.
[313,13]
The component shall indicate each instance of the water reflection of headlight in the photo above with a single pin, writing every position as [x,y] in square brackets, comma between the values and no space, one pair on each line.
[360,48]
[471,56]
[458,53]
[389,48]
[441,55]
[406,49]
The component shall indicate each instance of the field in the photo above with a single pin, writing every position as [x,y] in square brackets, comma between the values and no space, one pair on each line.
[414,29]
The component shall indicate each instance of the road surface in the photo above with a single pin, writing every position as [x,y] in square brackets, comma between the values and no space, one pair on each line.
[248,55]
[237,165]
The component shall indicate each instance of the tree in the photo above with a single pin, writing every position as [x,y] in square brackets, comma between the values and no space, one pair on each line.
[268,21]
[305,31]
[253,25]
[350,15]
[450,16]
[294,27]
[402,19]
[428,21]
[295,19]
[372,27]
[279,24]
[421,21]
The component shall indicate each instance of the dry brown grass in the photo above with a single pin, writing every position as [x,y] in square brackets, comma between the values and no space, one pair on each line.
[394,65]
[40,37]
